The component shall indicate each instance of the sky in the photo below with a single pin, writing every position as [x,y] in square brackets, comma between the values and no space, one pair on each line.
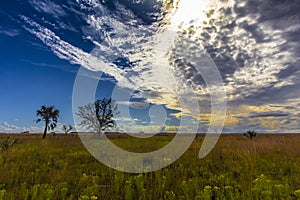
[162,60]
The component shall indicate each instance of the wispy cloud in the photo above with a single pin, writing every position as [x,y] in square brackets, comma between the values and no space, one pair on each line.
[100,59]
[49,7]
[57,66]
[9,32]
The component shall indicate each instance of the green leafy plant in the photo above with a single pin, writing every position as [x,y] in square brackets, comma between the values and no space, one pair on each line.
[2,194]
[297,194]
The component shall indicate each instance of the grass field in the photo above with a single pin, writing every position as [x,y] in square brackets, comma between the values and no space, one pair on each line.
[59,167]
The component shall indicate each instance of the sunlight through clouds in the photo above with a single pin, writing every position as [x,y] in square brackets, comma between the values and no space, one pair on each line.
[256,52]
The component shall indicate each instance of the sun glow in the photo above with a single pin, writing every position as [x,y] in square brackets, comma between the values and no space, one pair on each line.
[187,11]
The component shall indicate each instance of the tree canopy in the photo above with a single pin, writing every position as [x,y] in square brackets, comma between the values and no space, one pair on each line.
[98,116]
[49,115]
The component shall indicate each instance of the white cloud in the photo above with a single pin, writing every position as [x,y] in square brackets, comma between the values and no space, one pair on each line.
[73,54]
[6,127]
[48,7]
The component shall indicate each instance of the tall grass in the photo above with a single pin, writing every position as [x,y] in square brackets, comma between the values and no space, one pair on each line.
[59,167]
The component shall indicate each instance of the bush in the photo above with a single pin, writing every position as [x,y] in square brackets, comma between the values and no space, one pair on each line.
[7,143]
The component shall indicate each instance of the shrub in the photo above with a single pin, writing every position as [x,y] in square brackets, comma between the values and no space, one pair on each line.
[7,143]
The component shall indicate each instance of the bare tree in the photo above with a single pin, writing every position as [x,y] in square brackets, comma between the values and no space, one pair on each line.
[67,128]
[98,116]
[49,115]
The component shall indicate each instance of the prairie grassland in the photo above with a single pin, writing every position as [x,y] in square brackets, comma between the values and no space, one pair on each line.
[59,167]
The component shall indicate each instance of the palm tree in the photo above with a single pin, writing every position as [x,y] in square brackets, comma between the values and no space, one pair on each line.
[49,115]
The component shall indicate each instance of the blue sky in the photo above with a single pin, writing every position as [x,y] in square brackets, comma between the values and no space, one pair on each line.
[28,81]
[253,44]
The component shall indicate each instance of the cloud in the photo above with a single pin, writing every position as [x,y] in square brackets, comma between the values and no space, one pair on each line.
[255,48]
[49,7]
[66,68]
[266,114]
[9,32]
[71,53]
[6,127]
[134,104]
[283,117]
[253,56]
[102,57]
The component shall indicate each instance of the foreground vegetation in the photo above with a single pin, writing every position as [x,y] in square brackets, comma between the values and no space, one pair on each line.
[59,167]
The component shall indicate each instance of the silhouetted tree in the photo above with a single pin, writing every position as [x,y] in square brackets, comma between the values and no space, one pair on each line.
[49,115]
[250,134]
[98,116]
[67,128]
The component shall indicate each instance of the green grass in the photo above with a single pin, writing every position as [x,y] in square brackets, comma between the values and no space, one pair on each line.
[59,167]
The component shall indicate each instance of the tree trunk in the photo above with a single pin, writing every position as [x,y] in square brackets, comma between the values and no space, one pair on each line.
[45,130]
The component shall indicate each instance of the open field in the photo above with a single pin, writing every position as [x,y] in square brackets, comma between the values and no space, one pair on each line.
[59,167]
